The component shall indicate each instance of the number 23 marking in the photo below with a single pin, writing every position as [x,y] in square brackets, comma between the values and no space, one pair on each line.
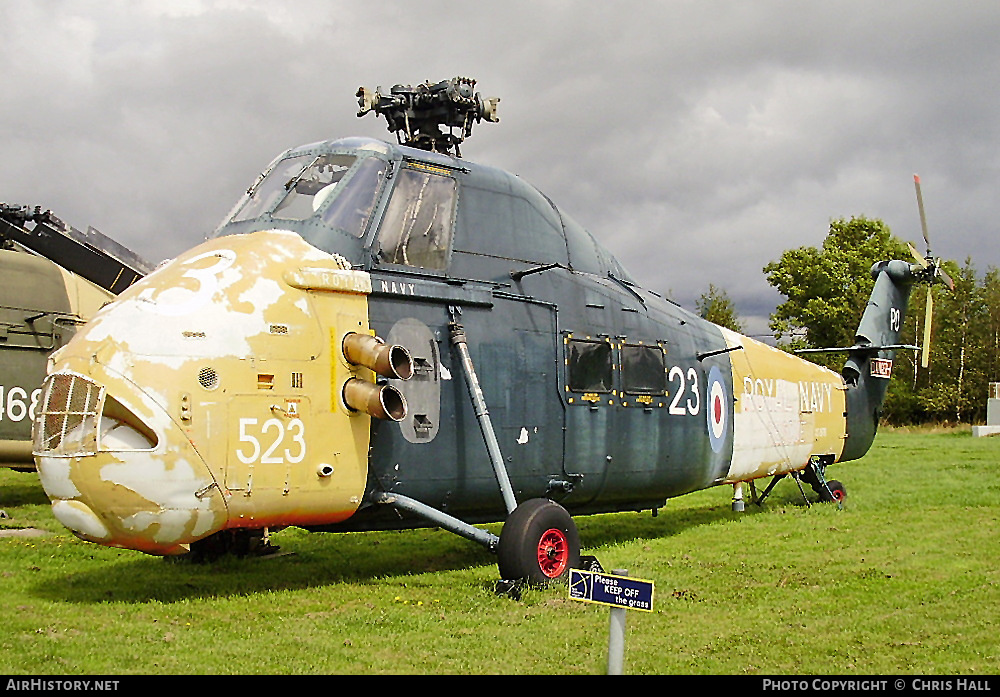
[693,404]
[272,433]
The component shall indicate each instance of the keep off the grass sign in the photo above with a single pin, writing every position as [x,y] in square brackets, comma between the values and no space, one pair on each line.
[608,589]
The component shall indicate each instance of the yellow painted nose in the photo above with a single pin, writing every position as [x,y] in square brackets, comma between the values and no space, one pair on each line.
[112,480]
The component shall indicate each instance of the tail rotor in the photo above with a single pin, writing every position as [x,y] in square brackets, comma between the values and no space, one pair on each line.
[930,272]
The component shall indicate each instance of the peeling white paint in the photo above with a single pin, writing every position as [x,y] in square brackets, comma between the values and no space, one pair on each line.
[79,518]
[149,475]
[54,474]
[263,294]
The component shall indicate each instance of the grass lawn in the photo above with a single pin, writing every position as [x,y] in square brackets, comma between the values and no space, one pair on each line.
[904,579]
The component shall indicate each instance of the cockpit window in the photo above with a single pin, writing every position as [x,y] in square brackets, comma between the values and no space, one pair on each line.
[417,225]
[272,188]
[310,188]
[354,204]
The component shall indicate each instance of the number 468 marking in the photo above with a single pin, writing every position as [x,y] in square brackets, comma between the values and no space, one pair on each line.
[272,442]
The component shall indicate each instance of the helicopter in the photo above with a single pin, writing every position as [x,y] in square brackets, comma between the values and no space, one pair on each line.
[53,278]
[384,335]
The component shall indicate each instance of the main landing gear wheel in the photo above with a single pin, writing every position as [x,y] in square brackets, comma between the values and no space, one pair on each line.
[837,491]
[539,543]
[829,490]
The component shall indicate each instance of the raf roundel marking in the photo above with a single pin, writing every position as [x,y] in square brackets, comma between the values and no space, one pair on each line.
[717,412]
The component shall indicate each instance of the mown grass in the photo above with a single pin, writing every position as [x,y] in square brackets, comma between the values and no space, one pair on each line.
[903,580]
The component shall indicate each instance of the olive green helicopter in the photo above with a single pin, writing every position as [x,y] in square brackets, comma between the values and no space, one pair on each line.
[53,278]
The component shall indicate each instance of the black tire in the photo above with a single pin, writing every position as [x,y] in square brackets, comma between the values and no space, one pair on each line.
[539,543]
[836,489]
[237,543]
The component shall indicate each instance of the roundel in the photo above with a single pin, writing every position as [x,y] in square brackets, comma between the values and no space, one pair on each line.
[718,409]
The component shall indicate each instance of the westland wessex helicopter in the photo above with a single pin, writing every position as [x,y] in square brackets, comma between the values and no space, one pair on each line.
[385,335]
[53,278]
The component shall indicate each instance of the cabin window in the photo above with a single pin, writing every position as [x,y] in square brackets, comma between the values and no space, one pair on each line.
[417,225]
[589,365]
[643,369]
[310,188]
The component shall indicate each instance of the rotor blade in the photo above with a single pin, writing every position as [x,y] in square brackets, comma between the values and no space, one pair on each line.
[916,255]
[923,218]
[946,278]
[925,354]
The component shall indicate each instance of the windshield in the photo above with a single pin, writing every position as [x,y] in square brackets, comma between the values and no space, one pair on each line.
[356,199]
[338,190]
[309,189]
[272,188]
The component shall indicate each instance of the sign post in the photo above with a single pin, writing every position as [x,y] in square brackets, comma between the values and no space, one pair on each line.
[620,593]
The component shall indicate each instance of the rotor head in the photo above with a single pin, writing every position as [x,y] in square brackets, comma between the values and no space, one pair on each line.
[418,114]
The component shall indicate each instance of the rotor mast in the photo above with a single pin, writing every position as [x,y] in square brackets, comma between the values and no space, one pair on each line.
[417,114]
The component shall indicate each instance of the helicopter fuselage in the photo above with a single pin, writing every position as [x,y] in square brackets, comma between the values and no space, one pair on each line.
[217,393]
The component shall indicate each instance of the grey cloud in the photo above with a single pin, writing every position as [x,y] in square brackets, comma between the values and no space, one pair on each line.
[698,140]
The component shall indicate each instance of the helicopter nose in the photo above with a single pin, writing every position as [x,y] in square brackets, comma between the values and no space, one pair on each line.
[112,480]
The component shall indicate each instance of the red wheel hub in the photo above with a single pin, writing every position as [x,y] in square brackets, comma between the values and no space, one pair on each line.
[553,552]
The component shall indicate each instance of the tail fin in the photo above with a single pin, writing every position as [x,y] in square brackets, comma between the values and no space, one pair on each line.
[869,361]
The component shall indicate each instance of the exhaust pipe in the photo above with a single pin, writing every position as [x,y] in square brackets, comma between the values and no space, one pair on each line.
[373,353]
[380,401]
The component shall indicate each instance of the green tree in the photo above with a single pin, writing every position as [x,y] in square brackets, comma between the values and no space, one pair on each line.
[991,329]
[963,358]
[827,288]
[717,307]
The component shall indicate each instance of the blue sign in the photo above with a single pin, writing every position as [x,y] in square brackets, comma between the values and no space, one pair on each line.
[607,589]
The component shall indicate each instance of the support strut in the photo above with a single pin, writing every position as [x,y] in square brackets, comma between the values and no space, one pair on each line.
[760,499]
[440,519]
[482,414]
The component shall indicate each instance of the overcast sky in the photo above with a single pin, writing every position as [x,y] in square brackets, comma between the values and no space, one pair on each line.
[697,140]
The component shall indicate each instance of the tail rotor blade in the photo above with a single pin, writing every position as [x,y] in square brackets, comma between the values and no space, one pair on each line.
[923,217]
[916,255]
[946,278]
[925,354]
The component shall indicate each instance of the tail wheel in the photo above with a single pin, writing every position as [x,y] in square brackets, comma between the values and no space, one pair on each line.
[539,543]
[837,491]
